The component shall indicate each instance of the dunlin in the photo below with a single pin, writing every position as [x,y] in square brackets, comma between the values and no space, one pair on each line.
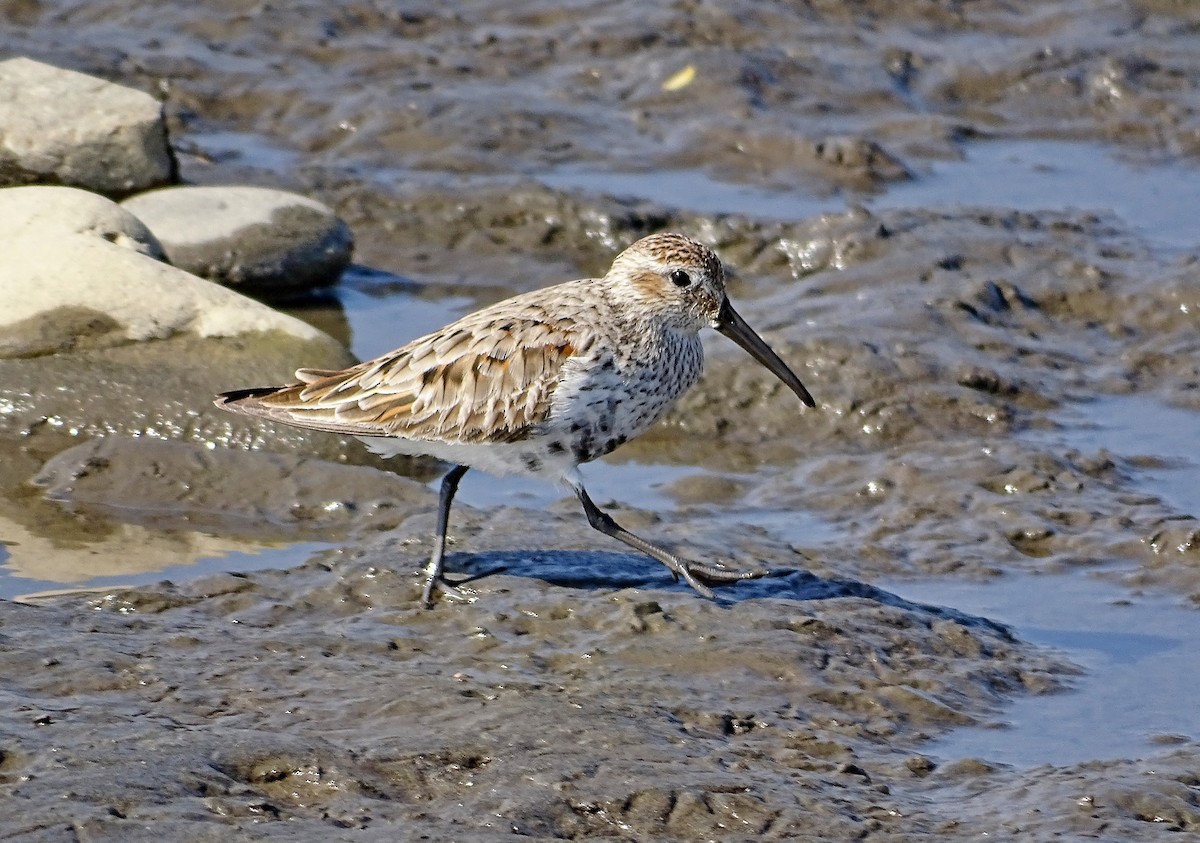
[538,384]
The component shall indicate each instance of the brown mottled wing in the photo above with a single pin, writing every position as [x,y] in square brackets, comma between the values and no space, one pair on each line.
[487,378]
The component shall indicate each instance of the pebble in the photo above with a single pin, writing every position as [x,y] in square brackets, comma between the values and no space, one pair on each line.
[62,127]
[268,243]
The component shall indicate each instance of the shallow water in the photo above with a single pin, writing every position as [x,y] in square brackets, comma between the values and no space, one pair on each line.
[1152,199]
[254,558]
[1138,650]
[383,312]
[1155,200]
[1164,438]
[1073,613]
[629,483]
[583,694]
[247,149]
[1138,654]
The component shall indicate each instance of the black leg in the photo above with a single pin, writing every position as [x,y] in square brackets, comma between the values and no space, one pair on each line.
[433,571]
[602,521]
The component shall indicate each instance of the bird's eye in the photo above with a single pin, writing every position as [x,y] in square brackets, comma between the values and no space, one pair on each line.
[680,278]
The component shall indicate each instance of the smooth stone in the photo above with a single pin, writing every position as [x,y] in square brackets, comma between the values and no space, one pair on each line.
[269,242]
[62,127]
[73,211]
[52,270]
[98,338]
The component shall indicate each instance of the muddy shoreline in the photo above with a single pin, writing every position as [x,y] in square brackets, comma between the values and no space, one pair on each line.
[964,357]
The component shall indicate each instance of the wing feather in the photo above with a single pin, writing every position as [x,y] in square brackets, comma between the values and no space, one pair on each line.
[489,377]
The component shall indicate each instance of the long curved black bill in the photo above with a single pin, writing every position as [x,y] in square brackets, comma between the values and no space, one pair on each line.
[734,326]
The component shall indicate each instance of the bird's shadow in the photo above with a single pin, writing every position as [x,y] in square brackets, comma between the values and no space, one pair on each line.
[594,570]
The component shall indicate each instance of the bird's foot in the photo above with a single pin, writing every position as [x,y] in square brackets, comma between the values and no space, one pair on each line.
[455,593]
[696,574]
[720,573]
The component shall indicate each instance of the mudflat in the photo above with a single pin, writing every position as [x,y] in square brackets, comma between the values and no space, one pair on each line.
[1006,391]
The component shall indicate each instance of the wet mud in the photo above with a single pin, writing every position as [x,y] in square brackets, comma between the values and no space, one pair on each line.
[323,697]
[966,358]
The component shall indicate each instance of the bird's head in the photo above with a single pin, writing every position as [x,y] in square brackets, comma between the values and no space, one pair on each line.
[680,282]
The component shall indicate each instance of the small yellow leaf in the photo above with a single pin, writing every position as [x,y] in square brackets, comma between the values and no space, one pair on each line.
[680,80]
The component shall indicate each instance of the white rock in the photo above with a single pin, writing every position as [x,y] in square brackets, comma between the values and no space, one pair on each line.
[268,241]
[147,299]
[73,211]
[62,127]
[50,265]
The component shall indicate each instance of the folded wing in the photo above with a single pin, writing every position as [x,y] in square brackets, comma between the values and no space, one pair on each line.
[487,378]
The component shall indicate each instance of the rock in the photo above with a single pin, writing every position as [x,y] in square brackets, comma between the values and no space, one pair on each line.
[97,337]
[51,269]
[72,211]
[268,242]
[62,127]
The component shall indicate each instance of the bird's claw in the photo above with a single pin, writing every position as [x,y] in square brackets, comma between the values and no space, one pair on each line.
[452,592]
[696,574]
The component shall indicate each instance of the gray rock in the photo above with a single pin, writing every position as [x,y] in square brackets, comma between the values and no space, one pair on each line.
[270,242]
[97,338]
[62,127]
[57,265]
